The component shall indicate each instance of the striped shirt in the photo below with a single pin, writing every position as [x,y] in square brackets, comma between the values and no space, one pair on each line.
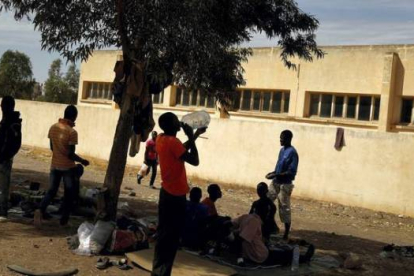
[62,136]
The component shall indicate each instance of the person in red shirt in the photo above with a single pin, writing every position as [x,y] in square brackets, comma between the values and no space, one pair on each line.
[150,159]
[172,155]
[214,193]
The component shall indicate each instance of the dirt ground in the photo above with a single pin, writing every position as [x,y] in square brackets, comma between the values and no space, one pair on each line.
[330,227]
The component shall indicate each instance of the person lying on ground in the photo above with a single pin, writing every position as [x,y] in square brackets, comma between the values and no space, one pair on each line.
[195,221]
[266,210]
[150,159]
[63,140]
[248,244]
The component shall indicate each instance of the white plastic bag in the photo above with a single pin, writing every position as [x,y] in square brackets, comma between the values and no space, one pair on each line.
[84,235]
[100,235]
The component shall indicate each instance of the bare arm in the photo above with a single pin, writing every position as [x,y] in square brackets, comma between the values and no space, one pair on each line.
[191,155]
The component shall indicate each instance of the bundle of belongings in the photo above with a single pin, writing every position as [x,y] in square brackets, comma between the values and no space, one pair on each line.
[105,237]
[240,241]
[139,86]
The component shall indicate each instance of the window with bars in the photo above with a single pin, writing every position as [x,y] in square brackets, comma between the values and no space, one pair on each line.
[262,101]
[194,98]
[98,91]
[158,98]
[357,107]
[407,111]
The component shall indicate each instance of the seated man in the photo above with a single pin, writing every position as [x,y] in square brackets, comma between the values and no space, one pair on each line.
[217,227]
[195,221]
[266,209]
[248,244]
[214,193]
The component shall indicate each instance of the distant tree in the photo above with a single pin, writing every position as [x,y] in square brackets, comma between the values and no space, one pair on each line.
[194,43]
[59,88]
[16,76]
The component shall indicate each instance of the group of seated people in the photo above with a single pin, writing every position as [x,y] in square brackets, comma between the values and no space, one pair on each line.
[247,236]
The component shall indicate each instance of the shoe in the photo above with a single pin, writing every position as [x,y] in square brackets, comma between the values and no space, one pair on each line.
[139,178]
[103,263]
[3,219]
[153,187]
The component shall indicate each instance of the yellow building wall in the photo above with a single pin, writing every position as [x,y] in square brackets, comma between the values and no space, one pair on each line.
[374,170]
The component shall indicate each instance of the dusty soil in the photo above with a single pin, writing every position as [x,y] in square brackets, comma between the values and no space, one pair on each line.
[331,227]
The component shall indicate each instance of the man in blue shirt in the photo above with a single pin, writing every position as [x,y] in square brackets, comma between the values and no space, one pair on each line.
[282,179]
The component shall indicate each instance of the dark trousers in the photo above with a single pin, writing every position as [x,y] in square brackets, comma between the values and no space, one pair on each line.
[152,166]
[5,172]
[171,219]
[69,195]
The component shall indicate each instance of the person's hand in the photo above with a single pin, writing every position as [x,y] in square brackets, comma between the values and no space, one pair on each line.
[85,162]
[271,175]
[200,131]
[188,131]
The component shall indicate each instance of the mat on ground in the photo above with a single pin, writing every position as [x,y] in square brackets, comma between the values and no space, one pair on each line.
[185,264]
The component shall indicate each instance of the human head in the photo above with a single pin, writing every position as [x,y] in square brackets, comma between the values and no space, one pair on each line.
[71,113]
[214,192]
[195,195]
[7,104]
[169,123]
[154,135]
[262,189]
[286,138]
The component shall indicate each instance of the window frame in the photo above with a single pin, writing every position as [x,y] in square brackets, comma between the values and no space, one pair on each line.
[97,91]
[411,123]
[179,103]
[345,103]
[262,92]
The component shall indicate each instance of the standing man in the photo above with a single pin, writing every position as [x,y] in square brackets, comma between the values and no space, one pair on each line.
[282,179]
[10,142]
[174,187]
[63,140]
[150,159]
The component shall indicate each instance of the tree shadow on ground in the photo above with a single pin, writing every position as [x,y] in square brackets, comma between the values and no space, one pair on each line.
[368,251]
[137,208]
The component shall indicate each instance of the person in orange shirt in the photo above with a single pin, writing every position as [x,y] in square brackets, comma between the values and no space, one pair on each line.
[63,140]
[214,193]
[172,155]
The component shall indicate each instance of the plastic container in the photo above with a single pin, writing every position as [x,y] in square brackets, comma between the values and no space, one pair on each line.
[295,258]
[198,119]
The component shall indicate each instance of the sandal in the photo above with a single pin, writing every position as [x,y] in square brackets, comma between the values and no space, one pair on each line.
[122,264]
[103,263]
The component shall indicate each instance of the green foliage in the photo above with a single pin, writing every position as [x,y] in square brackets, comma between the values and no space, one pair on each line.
[196,41]
[59,88]
[16,77]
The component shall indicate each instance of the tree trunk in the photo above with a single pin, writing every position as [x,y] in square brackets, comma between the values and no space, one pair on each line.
[117,160]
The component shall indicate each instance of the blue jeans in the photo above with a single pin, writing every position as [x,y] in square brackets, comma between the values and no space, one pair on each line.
[68,177]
